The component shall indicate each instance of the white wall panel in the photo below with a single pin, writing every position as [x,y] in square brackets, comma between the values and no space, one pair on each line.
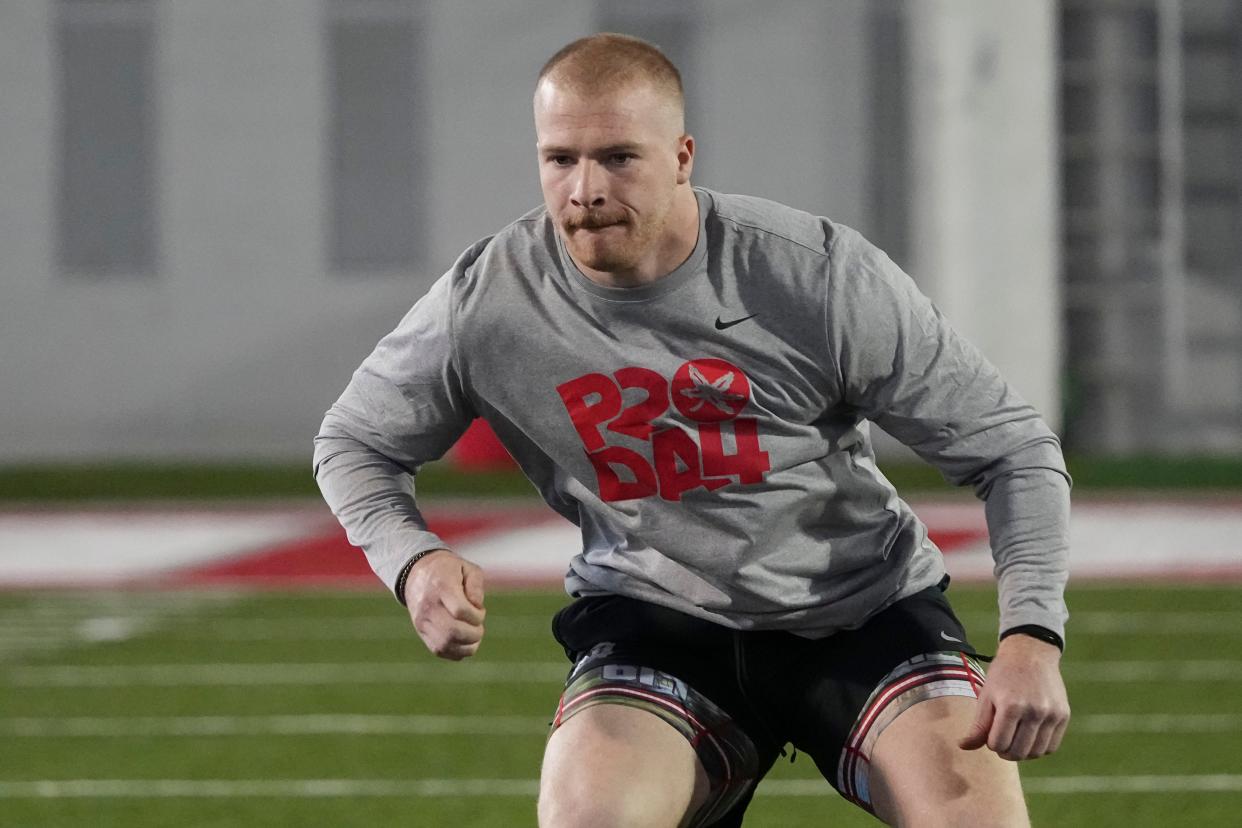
[985,181]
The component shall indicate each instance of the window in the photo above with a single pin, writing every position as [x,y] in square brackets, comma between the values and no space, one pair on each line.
[889,131]
[106,213]
[376,171]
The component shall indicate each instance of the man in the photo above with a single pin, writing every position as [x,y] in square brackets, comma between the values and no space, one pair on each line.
[688,377]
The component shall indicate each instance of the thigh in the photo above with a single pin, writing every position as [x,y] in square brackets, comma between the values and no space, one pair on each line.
[616,765]
[920,777]
[678,672]
[842,692]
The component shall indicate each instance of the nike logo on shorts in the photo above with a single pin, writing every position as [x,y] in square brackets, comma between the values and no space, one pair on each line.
[948,637]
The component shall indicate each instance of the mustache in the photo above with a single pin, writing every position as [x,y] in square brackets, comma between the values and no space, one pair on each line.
[592,221]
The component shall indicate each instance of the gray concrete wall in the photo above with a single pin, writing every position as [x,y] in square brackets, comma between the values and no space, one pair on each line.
[233,348]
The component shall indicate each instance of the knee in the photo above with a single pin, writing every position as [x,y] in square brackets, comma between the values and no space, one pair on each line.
[612,765]
[920,778]
[587,796]
[979,812]
[575,806]
[951,800]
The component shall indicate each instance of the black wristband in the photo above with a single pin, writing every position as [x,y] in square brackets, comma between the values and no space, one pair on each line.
[404,574]
[1035,631]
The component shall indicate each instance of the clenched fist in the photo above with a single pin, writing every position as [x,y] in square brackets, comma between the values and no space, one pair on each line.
[444,594]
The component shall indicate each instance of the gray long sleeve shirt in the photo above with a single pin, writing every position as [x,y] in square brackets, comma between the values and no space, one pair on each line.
[708,432]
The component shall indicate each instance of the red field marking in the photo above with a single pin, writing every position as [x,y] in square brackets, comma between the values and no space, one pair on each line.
[1141,541]
[950,540]
[330,559]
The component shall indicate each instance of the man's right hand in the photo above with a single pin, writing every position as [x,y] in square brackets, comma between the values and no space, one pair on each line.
[444,594]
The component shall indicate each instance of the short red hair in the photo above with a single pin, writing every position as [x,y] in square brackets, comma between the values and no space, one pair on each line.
[608,61]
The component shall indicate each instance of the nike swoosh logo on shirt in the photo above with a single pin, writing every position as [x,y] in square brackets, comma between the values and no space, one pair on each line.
[949,637]
[722,325]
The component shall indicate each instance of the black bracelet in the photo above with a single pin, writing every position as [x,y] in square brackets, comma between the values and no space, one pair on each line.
[404,575]
[1035,631]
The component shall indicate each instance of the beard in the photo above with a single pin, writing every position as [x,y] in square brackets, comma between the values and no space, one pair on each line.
[610,243]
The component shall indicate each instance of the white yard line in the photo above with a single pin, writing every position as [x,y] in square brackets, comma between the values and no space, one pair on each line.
[55,622]
[288,725]
[514,672]
[321,788]
[1153,672]
[1120,622]
[1157,723]
[377,628]
[388,626]
[395,626]
[1224,622]
[54,601]
[194,675]
[1198,783]
[364,724]
[279,788]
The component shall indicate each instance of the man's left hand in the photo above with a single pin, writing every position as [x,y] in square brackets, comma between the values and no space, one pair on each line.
[1023,709]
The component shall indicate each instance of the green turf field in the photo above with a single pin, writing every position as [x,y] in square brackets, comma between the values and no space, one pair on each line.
[208,708]
[121,481]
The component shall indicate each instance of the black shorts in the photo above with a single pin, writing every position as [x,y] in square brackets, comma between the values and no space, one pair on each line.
[781,688]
